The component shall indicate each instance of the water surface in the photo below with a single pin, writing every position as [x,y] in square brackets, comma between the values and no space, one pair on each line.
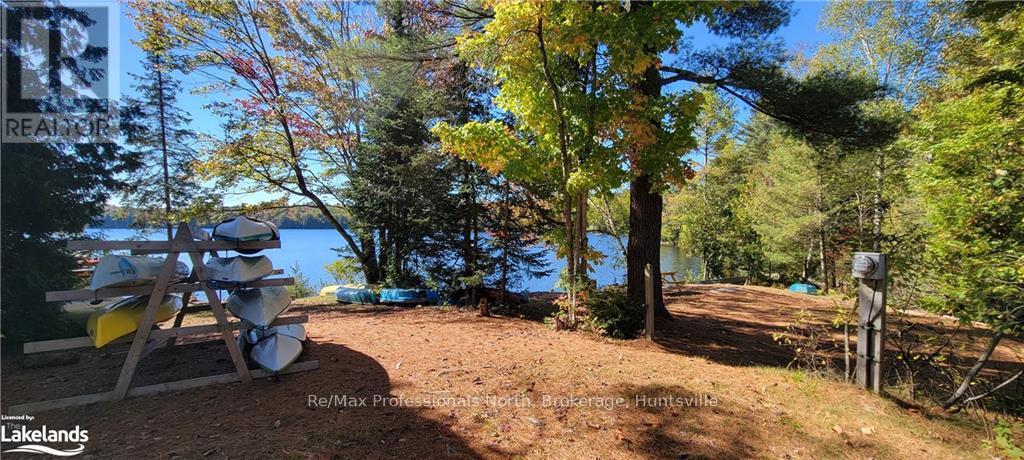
[310,249]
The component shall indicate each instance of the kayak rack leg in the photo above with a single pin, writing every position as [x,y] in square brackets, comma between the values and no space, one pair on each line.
[131,362]
[222,319]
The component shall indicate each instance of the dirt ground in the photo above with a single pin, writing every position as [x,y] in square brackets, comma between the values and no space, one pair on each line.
[443,383]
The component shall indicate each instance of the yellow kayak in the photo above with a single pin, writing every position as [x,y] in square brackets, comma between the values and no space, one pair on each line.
[122,318]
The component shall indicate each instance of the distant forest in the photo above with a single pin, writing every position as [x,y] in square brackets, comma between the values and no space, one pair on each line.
[301,218]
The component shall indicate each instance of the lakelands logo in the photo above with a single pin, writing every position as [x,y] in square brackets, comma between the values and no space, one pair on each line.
[30,439]
[60,71]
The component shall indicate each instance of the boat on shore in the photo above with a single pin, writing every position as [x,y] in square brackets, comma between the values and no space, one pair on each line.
[121,271]
[365,294]
[803,288]
[409,296]
[122,318]
[259,306]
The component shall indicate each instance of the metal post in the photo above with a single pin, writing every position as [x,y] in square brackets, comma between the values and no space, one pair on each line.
[871,270]
[649,300]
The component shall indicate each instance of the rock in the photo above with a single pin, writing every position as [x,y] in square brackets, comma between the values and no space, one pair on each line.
[867,430]
[534,421]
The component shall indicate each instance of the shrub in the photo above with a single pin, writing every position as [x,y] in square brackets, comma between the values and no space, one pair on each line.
[302,287]
[612,314]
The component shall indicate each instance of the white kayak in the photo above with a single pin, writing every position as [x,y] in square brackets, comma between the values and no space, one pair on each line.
[238,269]
[276,352]
[297,331]
[259,306]
[241,229]
[118,271]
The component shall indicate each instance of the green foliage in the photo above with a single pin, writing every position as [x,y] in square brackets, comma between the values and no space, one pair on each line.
[970,173]
[37,215]
[159,193]
[1008,437]
[614,315]
[302,287]
[344,270]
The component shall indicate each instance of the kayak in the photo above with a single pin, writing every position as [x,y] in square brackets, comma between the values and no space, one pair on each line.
[122,318]
[241,229]
[297,331]
[803,288]
[409,296]
[276,352]
[259,306]
[239,269]
[118,271]
[356,293]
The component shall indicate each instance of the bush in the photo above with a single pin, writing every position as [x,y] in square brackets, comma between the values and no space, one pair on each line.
[302,287]
[612,314]
[344,270]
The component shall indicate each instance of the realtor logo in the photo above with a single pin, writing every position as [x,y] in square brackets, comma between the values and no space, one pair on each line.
[30,439]
[59,70]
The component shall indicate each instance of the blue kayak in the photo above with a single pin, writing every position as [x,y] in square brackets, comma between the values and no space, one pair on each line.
[356,293]
[803,288]
[409,296]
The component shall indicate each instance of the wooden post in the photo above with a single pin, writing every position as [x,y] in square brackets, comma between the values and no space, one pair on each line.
[485,310]
[222,319]
[131,362]
[649,301]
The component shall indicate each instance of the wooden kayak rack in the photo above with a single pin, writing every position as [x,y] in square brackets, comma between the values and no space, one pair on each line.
[146,338]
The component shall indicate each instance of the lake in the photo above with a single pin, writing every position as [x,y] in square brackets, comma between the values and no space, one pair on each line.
[310,249]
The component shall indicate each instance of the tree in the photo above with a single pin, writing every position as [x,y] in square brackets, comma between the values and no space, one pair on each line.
[585,83]
[48,192]
[970,175]
[899,43]
[160,134]
[285,132]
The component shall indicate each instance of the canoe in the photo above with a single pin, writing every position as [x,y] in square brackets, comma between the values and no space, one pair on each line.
[297,331]
[119,271]
[329,290]
[803,288]
[122,318]
[356,293]
[238,269]
[408,296]
[259,306]
[241,228]
[276,352]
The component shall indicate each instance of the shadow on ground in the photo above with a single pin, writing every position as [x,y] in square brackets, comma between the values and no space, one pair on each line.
[254,420]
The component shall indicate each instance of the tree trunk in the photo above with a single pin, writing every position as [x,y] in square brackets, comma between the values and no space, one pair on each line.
[823,262]
[879,205]
[645,208]
[644,243]
[973,373]
[163,148]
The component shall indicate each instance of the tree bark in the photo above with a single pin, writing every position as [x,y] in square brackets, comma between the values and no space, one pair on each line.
[645,208]
[644,245]
[163,148]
